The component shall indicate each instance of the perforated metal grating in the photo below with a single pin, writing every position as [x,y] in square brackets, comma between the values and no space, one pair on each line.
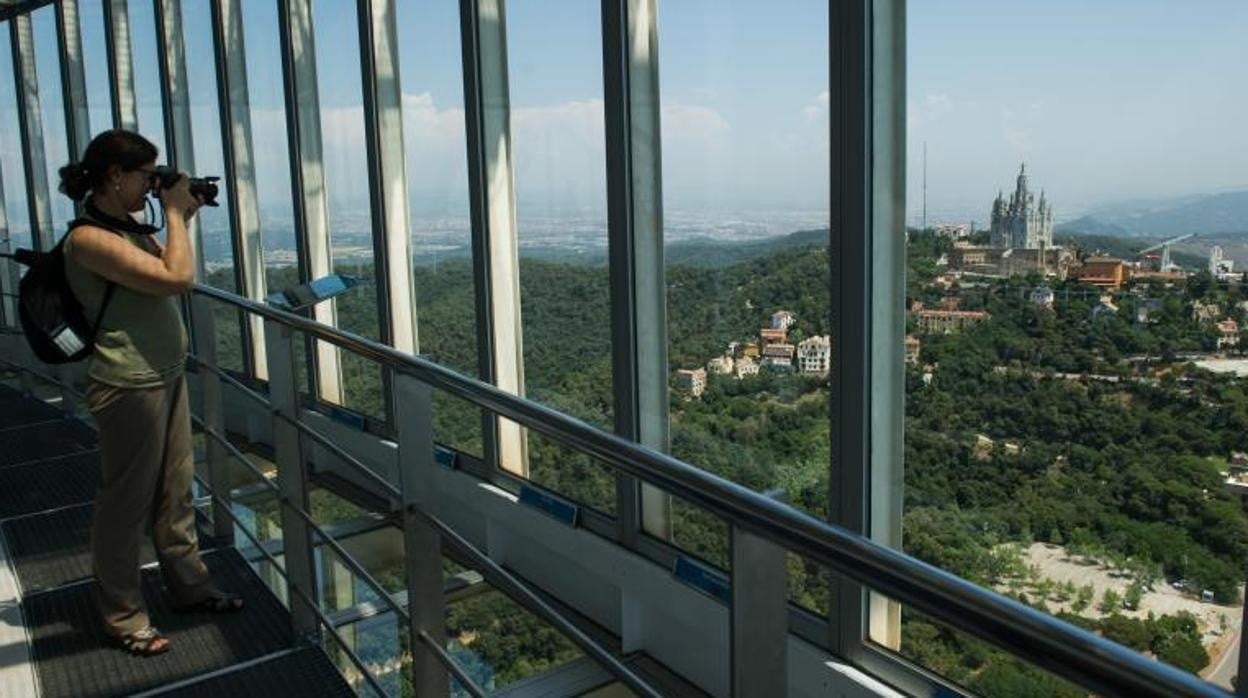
[73,657]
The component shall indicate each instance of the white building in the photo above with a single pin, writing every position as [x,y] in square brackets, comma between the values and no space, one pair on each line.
[1215,259]
[782,320]
[1042,296]
[721,365]
[746,367]
[814,355]
[692,381]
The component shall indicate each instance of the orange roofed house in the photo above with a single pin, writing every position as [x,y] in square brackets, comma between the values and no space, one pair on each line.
[1106,272]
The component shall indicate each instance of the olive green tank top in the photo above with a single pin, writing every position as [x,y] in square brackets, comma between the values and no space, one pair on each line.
[141,342]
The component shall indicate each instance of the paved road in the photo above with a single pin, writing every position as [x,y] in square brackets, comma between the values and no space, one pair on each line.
[1228,666]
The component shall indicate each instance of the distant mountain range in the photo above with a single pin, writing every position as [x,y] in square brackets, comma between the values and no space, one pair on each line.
[1207,213]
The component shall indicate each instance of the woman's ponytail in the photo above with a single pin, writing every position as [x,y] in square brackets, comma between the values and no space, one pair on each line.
[125,149]
[75,181]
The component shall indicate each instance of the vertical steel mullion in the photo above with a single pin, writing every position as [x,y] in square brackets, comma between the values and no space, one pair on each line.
[635,241]
[496,266]
[175,99]
[292,479]
[8,268]
[29,113]
[175,109]
[120,65]
[759,617]
[866,39]
[426,601]
[886,302]
[211,411]
[77,135]
[849,262]
[383,132]
[477,207]
[234,103]
[307,181]
[73,77]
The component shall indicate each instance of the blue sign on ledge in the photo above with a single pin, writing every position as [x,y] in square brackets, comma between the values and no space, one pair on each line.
[347,417]
[444,457]
[549,504]
[709,581]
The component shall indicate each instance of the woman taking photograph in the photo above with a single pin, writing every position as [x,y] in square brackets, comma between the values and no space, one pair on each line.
[136,391]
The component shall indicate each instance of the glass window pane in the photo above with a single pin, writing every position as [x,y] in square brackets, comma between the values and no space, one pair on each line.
[213,221]
[52,102]
[1059,446]
[431,70]
[95,64]
[346,188]
[12,168]
[560,176]
[146,63]
[745,204]
[269,142]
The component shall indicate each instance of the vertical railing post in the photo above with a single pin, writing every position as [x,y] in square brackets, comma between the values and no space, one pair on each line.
[212,413]
[292,477]
[413,418]
[759,618]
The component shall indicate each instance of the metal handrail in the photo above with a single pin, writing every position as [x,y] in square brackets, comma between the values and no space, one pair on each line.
[1076,654]
[307,431]
[452,666]
[347,559]
[494,572]
[225,506]
[312,604]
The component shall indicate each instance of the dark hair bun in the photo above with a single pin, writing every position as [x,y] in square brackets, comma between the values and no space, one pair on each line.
[75,182]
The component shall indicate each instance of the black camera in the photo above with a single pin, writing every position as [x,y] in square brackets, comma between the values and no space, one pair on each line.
[203,188]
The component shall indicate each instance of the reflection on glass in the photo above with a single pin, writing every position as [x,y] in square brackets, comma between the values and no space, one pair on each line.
[498,643]
[560,175]
[437,182]
[745,204]
[146,64]
[346,190]
[12,170]
[975,664]
[269,143]
[95,64]
[213,221]
[52,104]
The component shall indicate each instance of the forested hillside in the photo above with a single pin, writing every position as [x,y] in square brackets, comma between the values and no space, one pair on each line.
[1128,469]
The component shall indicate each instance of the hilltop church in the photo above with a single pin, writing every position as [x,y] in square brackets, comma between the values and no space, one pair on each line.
[1020,240]
[1021,222]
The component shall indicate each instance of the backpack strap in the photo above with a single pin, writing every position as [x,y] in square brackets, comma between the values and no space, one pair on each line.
[111,286]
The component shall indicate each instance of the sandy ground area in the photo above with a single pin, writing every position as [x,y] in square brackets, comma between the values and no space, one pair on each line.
[1059,566]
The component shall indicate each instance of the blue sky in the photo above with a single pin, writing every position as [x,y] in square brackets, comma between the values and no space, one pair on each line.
[1105,101]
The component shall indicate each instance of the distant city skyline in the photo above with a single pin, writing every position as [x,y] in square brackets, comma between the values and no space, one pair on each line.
[1104,102]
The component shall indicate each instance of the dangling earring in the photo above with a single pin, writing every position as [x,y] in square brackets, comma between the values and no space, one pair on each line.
[116,186]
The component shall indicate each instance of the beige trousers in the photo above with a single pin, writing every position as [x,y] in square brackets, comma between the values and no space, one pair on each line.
[147,464]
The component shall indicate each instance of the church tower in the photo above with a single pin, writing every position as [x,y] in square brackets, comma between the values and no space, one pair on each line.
[1021,222]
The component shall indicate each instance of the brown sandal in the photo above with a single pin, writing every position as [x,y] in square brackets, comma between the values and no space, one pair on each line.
[146,642]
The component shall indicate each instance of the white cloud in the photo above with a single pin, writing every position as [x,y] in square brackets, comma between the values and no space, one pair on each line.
[819,108]
[687,121]
[930,108]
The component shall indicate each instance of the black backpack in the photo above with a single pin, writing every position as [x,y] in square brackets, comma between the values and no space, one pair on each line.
[53,319]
